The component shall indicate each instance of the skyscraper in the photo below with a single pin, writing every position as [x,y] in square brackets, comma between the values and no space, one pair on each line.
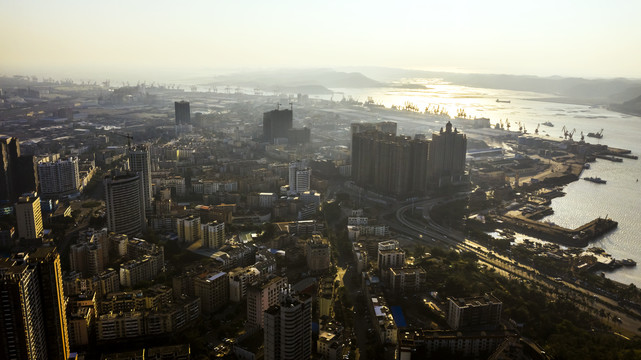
[17,173]
[29,216]
[447,156]
[183,113]
[33,323]
[58,178]
[140,163]
[276,123]
[389,164]
[124,198]
[22,334]
[47,261]
[261,296]
[288,329]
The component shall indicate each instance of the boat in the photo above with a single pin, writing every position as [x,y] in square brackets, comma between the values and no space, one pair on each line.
[596,180]
[598,135]
[628,262]
[547,123]
[503,101]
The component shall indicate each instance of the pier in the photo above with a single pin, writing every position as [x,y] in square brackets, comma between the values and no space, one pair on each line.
[609,157]
[579,237]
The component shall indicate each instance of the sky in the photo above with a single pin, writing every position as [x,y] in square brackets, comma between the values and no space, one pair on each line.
[78,37]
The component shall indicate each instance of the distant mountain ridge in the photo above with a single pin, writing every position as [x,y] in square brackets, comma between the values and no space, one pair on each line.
[615,90]
[629,107]
[311,79]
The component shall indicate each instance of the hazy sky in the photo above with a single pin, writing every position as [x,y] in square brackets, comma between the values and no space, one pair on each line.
[579,38]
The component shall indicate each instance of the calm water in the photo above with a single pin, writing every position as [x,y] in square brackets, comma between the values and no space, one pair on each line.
[619,199]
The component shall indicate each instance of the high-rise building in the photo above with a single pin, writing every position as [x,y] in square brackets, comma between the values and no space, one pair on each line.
[33,323]
[288,329]
[29,216]
[59,178]
[213,234]
[389,164]
[124,198]
[402,166]
[188,228]
[140,163]
[17,173]
[261,296]
[22,334]
[390,255]
[276,124]
[183,113]
[447,156]
[47,261]
[300,177]
[87,258]
[317,254]
[297,136]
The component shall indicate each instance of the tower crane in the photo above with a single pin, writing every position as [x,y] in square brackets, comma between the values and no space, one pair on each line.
[129,138]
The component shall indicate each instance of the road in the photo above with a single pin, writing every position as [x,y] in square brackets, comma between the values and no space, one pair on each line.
[430,233]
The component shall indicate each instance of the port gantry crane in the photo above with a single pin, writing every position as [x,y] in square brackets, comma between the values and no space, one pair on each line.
[571,133]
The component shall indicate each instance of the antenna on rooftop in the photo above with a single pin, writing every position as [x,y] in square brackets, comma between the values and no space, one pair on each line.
[291,106]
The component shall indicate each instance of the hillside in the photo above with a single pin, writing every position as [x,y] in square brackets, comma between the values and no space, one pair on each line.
[629,107]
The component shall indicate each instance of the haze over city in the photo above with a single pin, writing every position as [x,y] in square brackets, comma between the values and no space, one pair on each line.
[336,180]
[163,39]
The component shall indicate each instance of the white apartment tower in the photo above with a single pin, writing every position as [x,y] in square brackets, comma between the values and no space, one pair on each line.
[300,177]
[390,255]
[61,177]
[213,234]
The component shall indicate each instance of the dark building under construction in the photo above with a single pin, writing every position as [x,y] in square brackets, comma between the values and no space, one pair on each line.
[276,124]
[183,113]
[17,172]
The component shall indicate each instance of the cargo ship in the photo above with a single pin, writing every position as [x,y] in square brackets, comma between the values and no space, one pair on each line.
[596,180]
[503,101]
[598,135]
[547,123]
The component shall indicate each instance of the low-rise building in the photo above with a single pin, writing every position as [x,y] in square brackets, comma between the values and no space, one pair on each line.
[474,312]
[213,290]
[317,253]
[407,280]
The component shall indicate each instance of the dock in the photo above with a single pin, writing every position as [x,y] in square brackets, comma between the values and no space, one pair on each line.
[579,237]
[609,157]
